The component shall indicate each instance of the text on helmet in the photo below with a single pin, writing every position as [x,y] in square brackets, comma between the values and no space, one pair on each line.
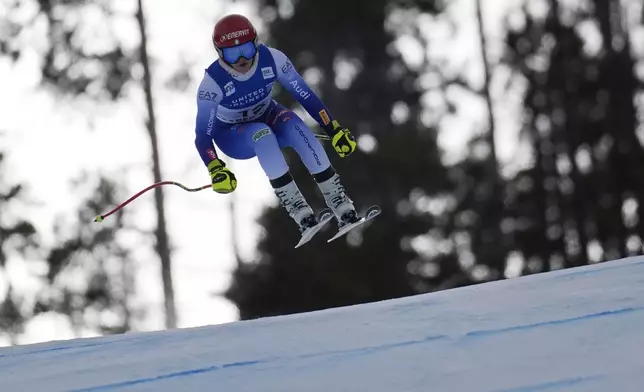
[234,34]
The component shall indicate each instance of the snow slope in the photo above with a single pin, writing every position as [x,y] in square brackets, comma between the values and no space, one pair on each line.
[575,330]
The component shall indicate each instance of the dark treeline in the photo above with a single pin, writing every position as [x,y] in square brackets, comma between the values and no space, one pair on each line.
[571,200]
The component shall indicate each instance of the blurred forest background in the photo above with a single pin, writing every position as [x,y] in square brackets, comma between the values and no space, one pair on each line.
[558,89]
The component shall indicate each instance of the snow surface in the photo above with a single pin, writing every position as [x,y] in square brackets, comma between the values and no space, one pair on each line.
[572,330]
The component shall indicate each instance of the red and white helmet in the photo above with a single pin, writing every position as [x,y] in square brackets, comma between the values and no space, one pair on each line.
[233,30]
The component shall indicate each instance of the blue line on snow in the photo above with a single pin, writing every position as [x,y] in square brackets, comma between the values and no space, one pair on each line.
[574,272]
[184,373]
[372,349]
[553,322]
[239,364]
[359,351]
[552,385]
[63,348]
[368,350]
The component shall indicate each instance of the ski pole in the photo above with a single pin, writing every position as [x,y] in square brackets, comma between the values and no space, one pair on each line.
[100,218]
[322,137]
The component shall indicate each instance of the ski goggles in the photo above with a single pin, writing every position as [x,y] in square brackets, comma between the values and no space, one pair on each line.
[233,54]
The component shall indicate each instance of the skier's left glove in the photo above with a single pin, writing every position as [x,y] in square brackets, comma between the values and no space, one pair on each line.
[223,180]
[343,141]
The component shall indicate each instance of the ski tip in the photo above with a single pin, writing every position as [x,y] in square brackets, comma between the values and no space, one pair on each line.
[99,218]
[325,214]
[374,208]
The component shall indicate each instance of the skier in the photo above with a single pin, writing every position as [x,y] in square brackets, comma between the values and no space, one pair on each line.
[236,111]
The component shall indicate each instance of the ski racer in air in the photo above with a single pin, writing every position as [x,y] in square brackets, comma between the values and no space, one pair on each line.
[236,111]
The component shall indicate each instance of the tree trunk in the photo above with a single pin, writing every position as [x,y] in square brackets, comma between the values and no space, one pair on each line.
[570,143]
[486,91]
[162,240]
[495,241]
[541,199]
[621,84]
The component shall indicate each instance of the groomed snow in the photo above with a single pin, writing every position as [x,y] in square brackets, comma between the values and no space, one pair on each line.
[578,329]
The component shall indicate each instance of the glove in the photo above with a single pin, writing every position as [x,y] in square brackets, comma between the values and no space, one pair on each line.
[223,180]
[343,141]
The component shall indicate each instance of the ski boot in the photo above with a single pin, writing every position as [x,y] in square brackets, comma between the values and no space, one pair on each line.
[342,206]
[337,200]
[294,203]
[299,210]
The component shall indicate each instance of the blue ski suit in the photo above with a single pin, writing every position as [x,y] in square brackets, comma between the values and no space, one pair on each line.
[238,113]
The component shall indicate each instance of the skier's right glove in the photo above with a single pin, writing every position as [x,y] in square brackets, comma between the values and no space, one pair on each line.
[223,180]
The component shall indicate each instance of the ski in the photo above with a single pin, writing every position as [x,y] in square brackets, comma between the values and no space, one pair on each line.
[324,217]
[369,214]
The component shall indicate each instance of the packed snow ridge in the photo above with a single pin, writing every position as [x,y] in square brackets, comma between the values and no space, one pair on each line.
[578,329]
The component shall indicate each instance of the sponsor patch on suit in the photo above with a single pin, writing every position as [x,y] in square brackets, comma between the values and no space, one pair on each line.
[260,134]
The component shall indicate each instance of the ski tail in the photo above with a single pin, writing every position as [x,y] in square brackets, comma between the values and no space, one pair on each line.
[369,213]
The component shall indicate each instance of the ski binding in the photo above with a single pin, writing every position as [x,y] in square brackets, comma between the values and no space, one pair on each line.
[324,217]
